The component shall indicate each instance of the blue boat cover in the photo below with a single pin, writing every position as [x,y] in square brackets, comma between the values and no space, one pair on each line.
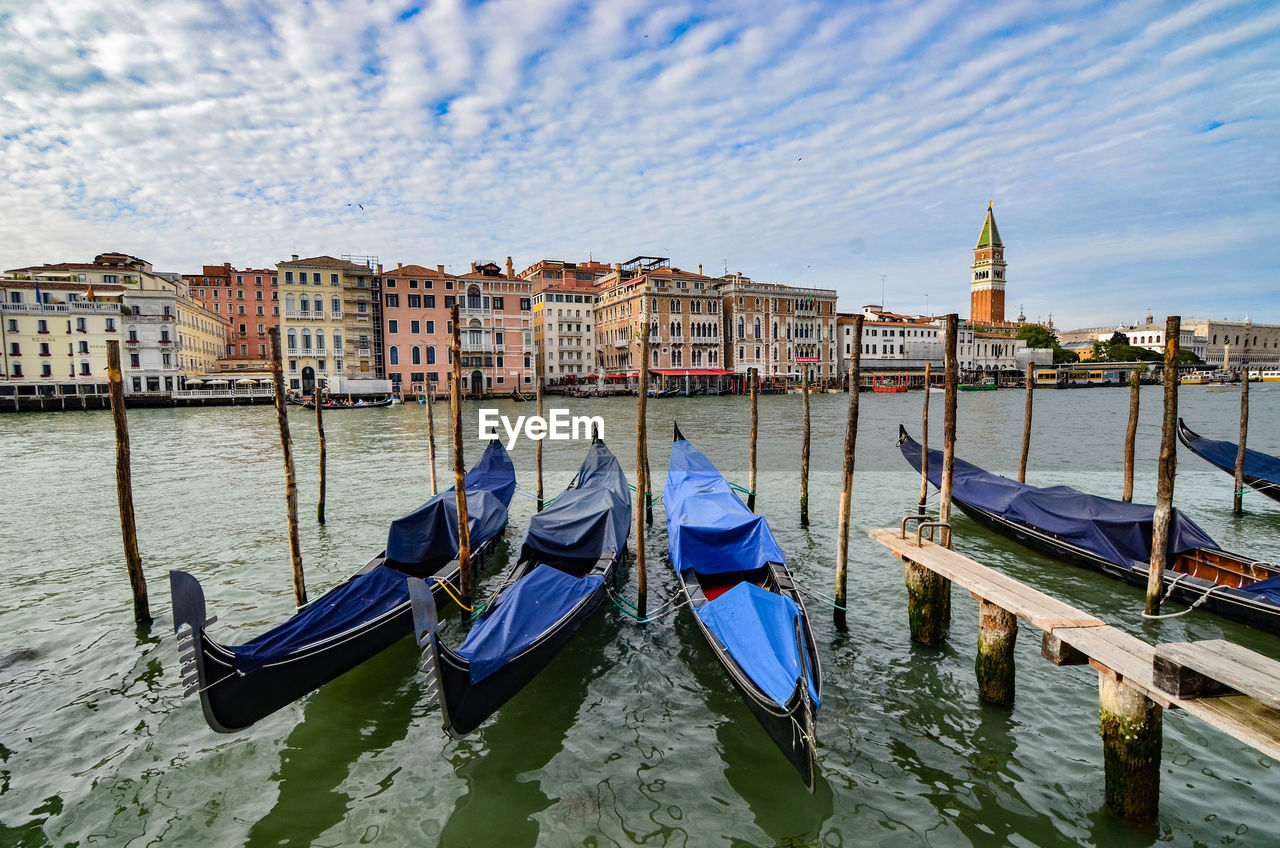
[523,613]
[585,522]
[1267,590]
[1116,531]
[709,529]
[1223,455]
[758,629]
[427,538]
[365,597]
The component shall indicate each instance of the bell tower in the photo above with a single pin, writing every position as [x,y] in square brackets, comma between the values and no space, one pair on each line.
[986,281]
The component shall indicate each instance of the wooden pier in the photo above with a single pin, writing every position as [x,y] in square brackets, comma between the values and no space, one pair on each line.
[1231,688]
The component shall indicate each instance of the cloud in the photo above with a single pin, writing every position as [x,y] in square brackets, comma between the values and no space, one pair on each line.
[810,143]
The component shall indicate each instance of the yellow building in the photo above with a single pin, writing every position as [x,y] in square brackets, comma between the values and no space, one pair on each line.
[202,338]
[329,326]
[55,332]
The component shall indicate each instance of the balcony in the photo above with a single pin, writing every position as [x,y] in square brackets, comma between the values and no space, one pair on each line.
[304,313]
[76,307]
[131,341]
[364,352]
[486,346]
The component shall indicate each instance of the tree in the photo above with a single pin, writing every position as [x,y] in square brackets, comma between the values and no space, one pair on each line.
[1036,336]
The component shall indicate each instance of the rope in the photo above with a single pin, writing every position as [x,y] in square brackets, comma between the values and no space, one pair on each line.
[637,491]
[830,601]
[1191,608]
[230,674]
[449,590]
[667,608]
[742,489]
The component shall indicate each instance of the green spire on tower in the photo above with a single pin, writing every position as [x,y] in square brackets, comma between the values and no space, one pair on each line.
[990,235]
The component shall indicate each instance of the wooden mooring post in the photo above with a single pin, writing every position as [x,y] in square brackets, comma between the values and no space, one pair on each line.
[846,479]
[538,444]
[431,436]
[1131,433]
[924,442]
[1167,467]
[1132,729]
[290,478]
[124,487]
[318,397]
[459,465]
[804,450]
[1238,501]
[753,375]
[642,465]
[1026,424]
[929,593]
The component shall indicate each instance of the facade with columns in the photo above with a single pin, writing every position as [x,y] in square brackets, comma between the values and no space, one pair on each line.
[779,329]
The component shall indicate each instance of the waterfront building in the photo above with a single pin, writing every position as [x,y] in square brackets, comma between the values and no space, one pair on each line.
[496,313]
[250,302]
[557,272]
[564,331]
[892,341]
[987,276]
[779,329]
[331,322]
[54,333]
[682,309]
[1149,335]
[416,328]
[997,354]
[1228,343]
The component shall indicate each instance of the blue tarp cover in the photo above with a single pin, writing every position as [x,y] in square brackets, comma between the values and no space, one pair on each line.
[523,613]
[709,529]
[586,521]
[428,537]
[1268,590]
[1118,532]
[427,542]
[758,628]
[1223,455]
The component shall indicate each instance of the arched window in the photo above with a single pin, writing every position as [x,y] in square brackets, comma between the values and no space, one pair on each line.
[305,304]
[394,355]
[290,304]
[293,340]
[742,328]
[757,328]
[473,297]
[320,341]
[431,354]
[337,342]
[415,355]
[306,340]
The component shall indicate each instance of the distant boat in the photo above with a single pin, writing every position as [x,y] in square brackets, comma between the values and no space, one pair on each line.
[342,403]
[1261,471]
[567,564]
[1113,537]
[517,397]
[745,602]
[976,387]
[240,684]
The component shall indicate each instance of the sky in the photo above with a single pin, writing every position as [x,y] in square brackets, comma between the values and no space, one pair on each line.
[1132,150]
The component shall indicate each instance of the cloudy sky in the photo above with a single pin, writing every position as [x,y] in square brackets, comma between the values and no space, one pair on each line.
[1131,149]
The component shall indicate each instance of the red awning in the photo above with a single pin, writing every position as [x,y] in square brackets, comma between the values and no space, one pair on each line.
[692,372]
[621,376]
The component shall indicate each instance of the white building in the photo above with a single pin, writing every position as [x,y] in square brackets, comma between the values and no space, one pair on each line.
[565,331]
[1227,343]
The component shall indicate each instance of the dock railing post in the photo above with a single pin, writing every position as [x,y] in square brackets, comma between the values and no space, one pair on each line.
[929,593]
[318,397]
[1238,500]
[924,442]
[1167,467]
[753,377]
[431,436]
[804,449]
[124,487]
[642,464]
[1026,424]
[1132,728]
[846,479]
[459,465]
[538,444]
[290,480]
[1131,434]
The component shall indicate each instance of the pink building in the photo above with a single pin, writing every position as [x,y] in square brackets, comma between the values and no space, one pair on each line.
[415,327]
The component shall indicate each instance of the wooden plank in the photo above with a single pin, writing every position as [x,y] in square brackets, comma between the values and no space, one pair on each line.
[1241,717]
[1216,667]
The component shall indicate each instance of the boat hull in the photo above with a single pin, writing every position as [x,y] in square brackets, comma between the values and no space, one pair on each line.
[1258,484]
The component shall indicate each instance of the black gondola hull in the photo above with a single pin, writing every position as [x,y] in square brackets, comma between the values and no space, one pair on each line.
[1186,435]
[233,700]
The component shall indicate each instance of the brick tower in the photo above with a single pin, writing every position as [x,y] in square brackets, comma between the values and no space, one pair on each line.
[986,286]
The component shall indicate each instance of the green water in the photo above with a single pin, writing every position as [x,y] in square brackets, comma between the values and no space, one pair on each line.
[633,735]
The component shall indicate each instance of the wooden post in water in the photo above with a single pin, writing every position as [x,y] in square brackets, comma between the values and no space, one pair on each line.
[804,449]
[1026,424]
[318,397]
[1132,727]
[431,436]
[924,441]
[1131,434]
[1168,463]
[648,490]
[753,376]
[124,488]
[928,593]
[642,465]
[846,479]
[290,480]
[997,633]
[459,466]
[538,444]
[1238,503]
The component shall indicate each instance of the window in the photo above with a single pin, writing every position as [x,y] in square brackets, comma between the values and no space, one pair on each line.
[431,327]
[415,355]
[42,326]
[134,360]
[393,326]
[333,279]
[415,327]
[497,304]
[15,349]
[430,301]
[524,304]
[393,300]
[288,276]
[431,355]
[390,284]
[393,355]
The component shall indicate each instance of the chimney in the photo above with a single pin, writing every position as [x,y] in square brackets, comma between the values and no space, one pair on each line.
[226,265]
[699,269]
[510,271]
[399,266]
[295,257]
[440,270]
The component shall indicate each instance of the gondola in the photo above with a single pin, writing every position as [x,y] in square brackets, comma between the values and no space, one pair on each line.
[239,684]
[345,404]
[1261,471]
[567,563]
[1113,537]
[745,602]
[517,397]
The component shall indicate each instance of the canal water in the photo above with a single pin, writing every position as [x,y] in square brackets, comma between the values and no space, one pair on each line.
[633,736]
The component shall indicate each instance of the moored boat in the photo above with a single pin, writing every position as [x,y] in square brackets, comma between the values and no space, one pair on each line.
[240,684]
[567,563]
[745,602]
[1113,537]
[977,387]
[1261,471]
[342,403]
